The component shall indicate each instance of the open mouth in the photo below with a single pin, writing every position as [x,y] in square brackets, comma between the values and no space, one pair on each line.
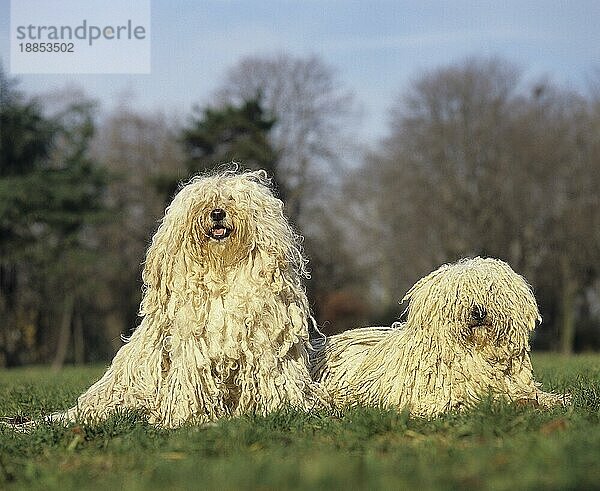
[219,232]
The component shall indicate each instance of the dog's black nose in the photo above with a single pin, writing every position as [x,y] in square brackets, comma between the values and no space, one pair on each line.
[217,214]
[478,313]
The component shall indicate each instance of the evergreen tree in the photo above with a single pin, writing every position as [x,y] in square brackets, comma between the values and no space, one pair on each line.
[220,136]
[50,195]
[229,134]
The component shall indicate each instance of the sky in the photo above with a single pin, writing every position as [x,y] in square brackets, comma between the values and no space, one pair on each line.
[376,47]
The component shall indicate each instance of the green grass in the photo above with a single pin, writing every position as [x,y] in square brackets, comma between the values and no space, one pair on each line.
[494,446]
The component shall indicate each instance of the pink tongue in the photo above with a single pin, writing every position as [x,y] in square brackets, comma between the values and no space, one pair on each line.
[219,231]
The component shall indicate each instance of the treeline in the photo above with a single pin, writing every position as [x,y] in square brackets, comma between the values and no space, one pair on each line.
[476,162]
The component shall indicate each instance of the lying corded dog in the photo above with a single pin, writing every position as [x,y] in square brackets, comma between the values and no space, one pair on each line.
[466,336]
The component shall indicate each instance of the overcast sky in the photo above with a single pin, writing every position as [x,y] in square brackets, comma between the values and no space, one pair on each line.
[376,46]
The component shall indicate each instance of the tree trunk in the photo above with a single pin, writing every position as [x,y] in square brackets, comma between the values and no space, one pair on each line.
[78,340]
[64,334]
[8,286]
[567,308]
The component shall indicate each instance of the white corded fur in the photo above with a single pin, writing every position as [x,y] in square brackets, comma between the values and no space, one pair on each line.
[466,336]
[225,322]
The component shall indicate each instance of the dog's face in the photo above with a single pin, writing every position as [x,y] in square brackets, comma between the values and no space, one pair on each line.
[228,215]
[221,226]
[221,219]
[475,302]
[229,221]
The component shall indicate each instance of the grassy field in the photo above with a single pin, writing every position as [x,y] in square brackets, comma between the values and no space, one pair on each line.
[494,446]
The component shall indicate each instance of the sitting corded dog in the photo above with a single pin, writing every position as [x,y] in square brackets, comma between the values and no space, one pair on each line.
[225,318]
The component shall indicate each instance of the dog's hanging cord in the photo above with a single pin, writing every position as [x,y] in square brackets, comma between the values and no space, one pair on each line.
[316,339]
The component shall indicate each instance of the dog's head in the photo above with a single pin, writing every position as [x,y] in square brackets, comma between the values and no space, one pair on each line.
[219,220]
[226,215]
[477,302]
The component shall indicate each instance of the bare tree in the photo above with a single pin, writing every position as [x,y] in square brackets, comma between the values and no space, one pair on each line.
[139,150]
[478,163]
[313,112]
[315,116]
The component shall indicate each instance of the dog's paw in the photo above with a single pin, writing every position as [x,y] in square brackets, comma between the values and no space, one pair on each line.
[565,399]
[20,424]
[547,399]
[16,420]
